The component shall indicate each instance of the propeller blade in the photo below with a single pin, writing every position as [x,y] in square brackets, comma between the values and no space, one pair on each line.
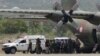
[60,23]
[71,12]
[75,25]
[67,16]
[76,5]
[65,19]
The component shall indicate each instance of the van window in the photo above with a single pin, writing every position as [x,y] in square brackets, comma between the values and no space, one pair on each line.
[33,40]
[22,41]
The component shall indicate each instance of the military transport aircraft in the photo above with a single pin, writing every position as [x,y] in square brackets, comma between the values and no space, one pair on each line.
[65,12]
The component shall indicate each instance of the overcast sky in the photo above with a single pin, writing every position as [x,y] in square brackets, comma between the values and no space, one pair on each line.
[45,4]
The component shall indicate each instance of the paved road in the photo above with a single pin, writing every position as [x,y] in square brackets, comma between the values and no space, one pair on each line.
[50,55]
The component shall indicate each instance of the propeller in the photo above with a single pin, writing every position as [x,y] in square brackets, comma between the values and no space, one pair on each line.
[67,17]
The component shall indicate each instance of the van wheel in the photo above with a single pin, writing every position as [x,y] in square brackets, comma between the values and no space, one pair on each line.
[7,52]
[13,51]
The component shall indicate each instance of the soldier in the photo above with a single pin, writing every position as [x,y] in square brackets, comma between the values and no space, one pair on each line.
[95,40]
[29,47]
[77,45]
[47,44]
[38,46]
[52,44]
[61,46]
[70,46]
[57,47]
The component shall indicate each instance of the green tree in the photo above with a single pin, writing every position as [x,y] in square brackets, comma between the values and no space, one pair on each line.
[14,26]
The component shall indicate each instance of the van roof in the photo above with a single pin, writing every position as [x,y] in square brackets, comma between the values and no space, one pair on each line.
[35,36]
[61,38]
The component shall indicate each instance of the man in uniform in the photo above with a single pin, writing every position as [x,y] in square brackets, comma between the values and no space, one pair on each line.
[38,46]
[29,47]
[77,45]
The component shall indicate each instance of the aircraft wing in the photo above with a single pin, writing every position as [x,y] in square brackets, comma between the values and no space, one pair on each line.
[26,14]
[10,13]
[43,14]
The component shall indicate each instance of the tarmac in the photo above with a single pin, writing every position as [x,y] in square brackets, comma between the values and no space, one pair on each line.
[49,54]
[21,54]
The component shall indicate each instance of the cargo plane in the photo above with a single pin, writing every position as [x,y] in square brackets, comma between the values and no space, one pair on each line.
[65,12]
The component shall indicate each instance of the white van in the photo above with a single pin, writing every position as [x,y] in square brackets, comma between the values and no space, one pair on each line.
[60,39]
[21,44]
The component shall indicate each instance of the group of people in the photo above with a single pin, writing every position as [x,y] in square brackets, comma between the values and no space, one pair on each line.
[38,48]
[53,46]
[64,46]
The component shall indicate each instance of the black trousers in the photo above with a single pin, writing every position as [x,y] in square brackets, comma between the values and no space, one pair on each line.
[29,49]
